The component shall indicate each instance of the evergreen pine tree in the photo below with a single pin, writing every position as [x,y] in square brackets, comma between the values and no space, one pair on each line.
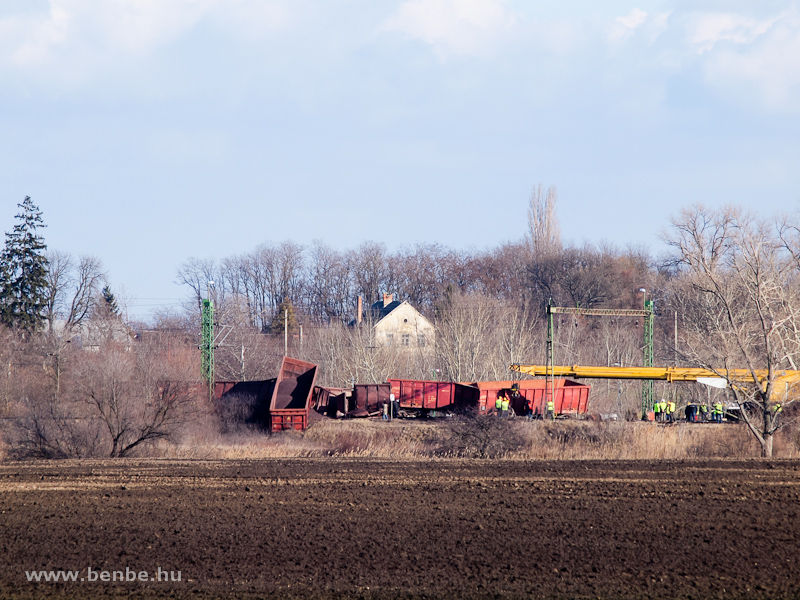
[23,271]
[110,303]
[285,316]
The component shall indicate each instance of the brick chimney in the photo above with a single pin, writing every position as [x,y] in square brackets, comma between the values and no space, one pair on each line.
[387,299]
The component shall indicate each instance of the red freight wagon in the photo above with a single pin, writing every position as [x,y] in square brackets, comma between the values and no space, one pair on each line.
[370,396]
[570,397]
[292,394]
[433,395]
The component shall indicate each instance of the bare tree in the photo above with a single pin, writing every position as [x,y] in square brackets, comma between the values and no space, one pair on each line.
[350,354]
[74,293]
[544,233]
[464,346]
[739,287]
[371,273]
[138,395]
[475,435]
[197,273]
[72,288]
[59,275]
[498,273]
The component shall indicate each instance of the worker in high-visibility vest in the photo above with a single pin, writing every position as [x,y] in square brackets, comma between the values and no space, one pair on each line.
[671,411]
[704,412]
[504,406]
[663,406]
[551,410]
[718,412]
[498,405]
[657,410]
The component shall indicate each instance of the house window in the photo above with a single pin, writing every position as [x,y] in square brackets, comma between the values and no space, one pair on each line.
[390,338]
[420,340]
[406,339]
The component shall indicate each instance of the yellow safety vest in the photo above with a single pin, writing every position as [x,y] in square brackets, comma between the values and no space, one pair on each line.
[505,404]
[498,403]
[551,405]
[671,407]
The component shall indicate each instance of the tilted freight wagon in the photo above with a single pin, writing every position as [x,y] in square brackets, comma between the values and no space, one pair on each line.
[292,395]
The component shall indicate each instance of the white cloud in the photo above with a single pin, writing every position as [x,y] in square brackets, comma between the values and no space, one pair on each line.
[74,39]
[633,20]
[764,70]
[98,27]
[253,19]
[638,21]
[453,27]
[43,34]
[704,30]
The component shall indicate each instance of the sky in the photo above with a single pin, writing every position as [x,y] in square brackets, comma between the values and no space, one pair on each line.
[152,131]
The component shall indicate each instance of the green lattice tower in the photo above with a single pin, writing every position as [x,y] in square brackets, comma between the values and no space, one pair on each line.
[648,384]
[207,344]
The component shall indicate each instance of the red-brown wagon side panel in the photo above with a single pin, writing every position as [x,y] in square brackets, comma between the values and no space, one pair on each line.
[284,419]
[570,397]
[370,396]
[433,395]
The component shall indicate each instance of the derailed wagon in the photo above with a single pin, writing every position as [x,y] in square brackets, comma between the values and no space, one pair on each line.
[292,394]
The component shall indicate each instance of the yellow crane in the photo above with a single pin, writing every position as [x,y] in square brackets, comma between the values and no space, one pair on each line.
[784,380]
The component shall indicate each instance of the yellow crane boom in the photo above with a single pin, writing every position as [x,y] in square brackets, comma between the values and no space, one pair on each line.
[671,374]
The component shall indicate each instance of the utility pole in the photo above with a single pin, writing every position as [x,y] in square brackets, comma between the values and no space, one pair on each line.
[648,385]
[286,332]
[676,338]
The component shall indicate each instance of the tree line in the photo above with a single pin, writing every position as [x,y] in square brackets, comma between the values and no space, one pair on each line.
[726,297]
[76,380]
[323,284]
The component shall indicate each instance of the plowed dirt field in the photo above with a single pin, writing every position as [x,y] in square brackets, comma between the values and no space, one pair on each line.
[334,528]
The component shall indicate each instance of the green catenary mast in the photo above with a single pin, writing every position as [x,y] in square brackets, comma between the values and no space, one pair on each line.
[207,344]
[648,313]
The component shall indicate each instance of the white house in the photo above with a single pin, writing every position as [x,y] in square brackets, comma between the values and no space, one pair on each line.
[400,324]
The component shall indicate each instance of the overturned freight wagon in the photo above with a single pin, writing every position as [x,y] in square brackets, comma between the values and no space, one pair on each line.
[243,402]
[292,394]
[329,401]
[569,397]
